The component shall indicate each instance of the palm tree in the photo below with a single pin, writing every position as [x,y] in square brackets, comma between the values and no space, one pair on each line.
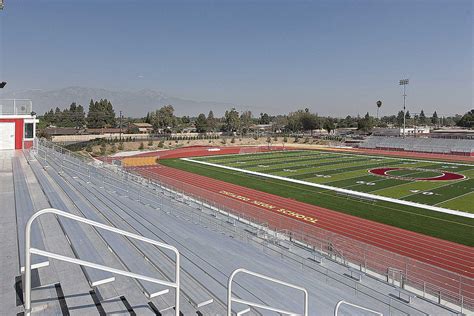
[379,104]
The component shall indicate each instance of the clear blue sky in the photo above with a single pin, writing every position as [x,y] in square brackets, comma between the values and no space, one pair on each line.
[335,57]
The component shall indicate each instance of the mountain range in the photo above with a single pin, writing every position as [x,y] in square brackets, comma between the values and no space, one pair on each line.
[132,103]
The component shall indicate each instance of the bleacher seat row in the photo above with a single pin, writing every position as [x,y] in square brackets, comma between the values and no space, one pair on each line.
[427,145]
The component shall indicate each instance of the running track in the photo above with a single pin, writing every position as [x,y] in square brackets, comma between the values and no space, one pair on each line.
[435,252]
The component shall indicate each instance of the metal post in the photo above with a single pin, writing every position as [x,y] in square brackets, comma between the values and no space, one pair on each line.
[120,125]
[404,110]
[403,83]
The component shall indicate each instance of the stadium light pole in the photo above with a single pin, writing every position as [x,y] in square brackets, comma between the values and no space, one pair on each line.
[404,83]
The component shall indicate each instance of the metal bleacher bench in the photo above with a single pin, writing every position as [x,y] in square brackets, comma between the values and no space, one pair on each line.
[128,255]
[24,209]
[82,247]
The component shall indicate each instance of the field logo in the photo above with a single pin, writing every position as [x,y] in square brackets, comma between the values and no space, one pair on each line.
[444,175]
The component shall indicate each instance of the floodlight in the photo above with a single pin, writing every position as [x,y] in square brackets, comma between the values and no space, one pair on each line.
[404,82]
[3,83]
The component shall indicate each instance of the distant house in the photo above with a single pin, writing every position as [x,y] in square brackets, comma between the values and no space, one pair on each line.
[141,128]
[261,128]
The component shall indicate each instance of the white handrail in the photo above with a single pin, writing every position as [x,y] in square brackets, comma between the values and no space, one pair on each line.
[29,251]
[231,299]
[336,309]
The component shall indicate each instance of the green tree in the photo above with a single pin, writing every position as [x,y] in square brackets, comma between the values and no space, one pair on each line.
[101,114]
[435,119]
[164,118]
[185,120]
[310,121]
[231,120]
[400,118]
[294,121]
[80,116]
[211,122]
[201,123]
[245,122]
[467,120]
[264,118]
[366,124]
[329,125]
[422,118]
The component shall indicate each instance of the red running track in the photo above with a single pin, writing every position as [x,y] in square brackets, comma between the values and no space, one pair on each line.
[428,252]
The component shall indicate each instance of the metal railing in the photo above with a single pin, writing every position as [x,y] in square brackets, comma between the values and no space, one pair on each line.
[369,259]
[29,251]
[16,107]
[231,299]
[338,305]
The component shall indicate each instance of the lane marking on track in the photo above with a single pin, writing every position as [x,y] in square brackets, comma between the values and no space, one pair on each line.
[341,190]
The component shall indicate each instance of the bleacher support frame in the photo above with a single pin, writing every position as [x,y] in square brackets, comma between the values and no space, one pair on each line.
[231,299]
[29,251]
[338,305]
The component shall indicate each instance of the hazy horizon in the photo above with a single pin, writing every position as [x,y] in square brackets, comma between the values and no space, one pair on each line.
[334,57]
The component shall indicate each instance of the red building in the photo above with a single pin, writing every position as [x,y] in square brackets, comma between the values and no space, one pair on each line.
[17,124]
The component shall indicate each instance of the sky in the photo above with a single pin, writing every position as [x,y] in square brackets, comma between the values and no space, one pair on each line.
[335,57]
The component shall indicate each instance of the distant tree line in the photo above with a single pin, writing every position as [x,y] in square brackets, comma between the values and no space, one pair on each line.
[101,114]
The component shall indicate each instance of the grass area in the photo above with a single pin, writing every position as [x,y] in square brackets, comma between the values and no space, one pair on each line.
[449,227]
[350,171]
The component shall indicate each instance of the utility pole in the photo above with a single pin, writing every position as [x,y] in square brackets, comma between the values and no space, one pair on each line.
[120,126]
[404,83]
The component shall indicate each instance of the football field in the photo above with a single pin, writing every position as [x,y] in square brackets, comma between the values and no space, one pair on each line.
[431,183]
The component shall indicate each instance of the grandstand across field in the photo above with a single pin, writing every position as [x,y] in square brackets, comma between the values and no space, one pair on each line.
[211,243]
[463,147]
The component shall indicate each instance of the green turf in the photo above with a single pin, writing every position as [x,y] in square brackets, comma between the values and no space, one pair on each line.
[449,227]
[464,202]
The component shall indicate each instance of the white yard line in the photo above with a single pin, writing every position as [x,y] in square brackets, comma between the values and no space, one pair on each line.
[340,190]
[441,186]
[456,197]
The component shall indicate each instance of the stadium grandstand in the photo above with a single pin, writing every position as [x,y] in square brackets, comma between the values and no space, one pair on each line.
[464,147]
[123,244]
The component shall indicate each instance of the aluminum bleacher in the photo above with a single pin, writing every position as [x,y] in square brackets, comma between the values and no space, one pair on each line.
[211,247]
[427,145]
